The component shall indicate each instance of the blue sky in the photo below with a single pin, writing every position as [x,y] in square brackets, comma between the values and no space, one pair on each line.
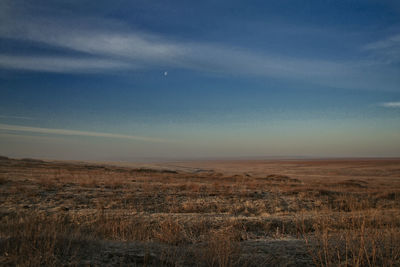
[128,80]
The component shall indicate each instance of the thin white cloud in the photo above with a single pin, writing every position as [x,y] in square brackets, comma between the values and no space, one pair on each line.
[127,49]
[18,128]
[16,117]
[387,49]
[146,50]
[390,104]
[386,43]
[114,46]
[60,64]
[101,38]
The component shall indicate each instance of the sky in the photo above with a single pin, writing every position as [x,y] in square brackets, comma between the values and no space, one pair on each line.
[139,80]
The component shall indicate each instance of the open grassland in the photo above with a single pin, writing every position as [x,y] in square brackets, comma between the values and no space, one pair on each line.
[244,213]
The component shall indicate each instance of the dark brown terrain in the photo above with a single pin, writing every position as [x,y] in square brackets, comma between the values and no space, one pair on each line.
[210,213]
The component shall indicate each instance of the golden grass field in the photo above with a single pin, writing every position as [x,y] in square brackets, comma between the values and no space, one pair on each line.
[210,213]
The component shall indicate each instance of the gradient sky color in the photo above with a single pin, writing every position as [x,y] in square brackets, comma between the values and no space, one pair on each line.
[131,80]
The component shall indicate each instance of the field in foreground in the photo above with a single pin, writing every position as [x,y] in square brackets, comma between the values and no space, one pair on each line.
[244,213]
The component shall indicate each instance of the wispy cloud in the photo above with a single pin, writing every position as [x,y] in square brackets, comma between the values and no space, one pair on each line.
[390,104]
[16,117]
[60,64]
[18,128]
[387,49]
[106,44]
[109,45]
[386,43]
[124,49]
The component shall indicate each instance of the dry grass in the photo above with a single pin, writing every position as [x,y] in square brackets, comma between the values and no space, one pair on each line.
[361,238]
[329,214]
[29,239]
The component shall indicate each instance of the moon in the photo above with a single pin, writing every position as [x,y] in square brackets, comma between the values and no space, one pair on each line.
[165,73]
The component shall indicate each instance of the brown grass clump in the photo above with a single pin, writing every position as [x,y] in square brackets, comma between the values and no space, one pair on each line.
[358,239]
[170,231]
[222,248]
[281,178]
[37,240]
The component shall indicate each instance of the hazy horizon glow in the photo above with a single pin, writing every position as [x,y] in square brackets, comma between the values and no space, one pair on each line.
[139,79]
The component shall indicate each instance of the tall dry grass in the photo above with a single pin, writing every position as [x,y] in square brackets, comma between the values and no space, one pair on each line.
[354,233]
[29,239]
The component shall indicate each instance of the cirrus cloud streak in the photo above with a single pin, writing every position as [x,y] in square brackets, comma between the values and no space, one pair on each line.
[109,46]
[390,104]
[18,128]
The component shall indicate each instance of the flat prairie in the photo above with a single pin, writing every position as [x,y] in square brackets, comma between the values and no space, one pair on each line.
[338,212]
